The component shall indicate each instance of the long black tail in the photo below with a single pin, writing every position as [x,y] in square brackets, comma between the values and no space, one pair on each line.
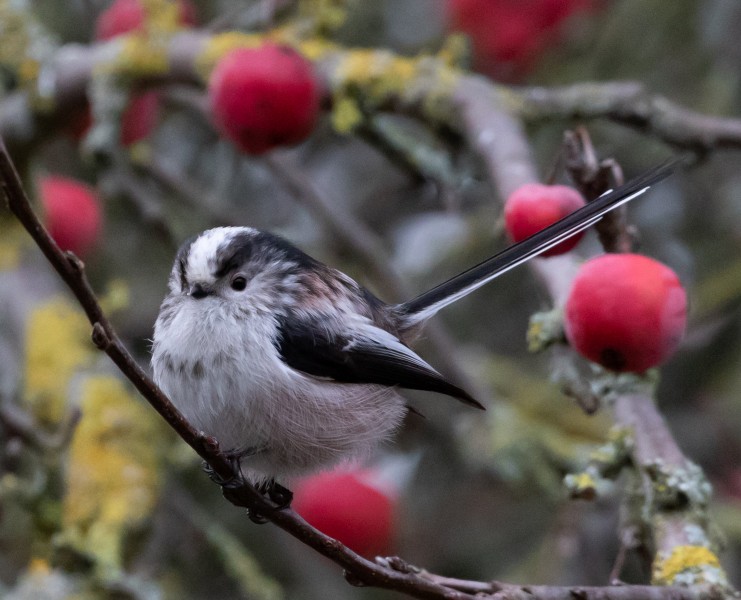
[427,304]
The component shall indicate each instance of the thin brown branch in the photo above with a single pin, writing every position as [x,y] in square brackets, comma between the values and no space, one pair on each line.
[500,590]
[236,489]
[72,271]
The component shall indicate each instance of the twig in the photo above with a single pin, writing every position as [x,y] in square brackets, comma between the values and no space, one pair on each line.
[18,422]
[594,177]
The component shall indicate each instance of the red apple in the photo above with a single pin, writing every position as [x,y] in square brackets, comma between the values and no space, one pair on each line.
[123,16]
[508,35]
[534,206]
[72,213]
[347,506]
[137,121]
[264,97]
[140,117]
[626,312]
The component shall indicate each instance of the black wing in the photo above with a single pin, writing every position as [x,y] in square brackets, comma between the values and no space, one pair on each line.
[367,354]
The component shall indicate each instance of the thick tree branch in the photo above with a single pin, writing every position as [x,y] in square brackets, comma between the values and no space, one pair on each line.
[675,524]
[629,103]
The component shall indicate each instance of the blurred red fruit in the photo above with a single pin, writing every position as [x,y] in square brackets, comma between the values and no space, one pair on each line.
[264,97]
[508,35]
[346,506]
[123,16]
[72,213]
[534,206]
[626,312]
[137,121]
[140,117]
[80,122]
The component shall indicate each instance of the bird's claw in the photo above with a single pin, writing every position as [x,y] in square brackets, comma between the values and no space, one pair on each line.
[277,494]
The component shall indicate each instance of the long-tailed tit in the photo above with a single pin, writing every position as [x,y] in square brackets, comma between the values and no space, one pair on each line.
[293,366]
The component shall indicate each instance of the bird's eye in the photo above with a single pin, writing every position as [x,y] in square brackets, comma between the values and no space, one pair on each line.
[238,284]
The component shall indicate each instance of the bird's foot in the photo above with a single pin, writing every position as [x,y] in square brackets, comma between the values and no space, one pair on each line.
[276,493]
[280,495]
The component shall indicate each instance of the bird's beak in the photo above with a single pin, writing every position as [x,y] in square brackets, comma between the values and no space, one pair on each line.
[200,290]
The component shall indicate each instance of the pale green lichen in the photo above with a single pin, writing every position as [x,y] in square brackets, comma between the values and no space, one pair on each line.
[582,485]
[613,455]
[346,115]
[605,462]
[455,51]
[688,565]
[678,485]
[144,52]
[139,57]
[609,385]
[544,330]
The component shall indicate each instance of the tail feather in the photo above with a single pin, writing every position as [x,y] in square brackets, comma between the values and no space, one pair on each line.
[425,305]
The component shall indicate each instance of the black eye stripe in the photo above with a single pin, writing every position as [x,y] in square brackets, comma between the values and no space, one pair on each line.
[233,254]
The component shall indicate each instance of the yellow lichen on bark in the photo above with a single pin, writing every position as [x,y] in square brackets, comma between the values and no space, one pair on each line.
[57,346]
[12,242]
[220,45]
[328,14]
[114,471]
[161,16]
[140,57]
[372,78]
[144,52]
[688,565]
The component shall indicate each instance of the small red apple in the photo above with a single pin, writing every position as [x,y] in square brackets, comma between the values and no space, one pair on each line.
[72,213]
[264,97]
[346,505]
[534,206]
[626,312]
[140,117]
[508,35]
[123,16]
[137,121]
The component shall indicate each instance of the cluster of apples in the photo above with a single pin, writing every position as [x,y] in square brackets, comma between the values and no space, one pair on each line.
[626,312]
